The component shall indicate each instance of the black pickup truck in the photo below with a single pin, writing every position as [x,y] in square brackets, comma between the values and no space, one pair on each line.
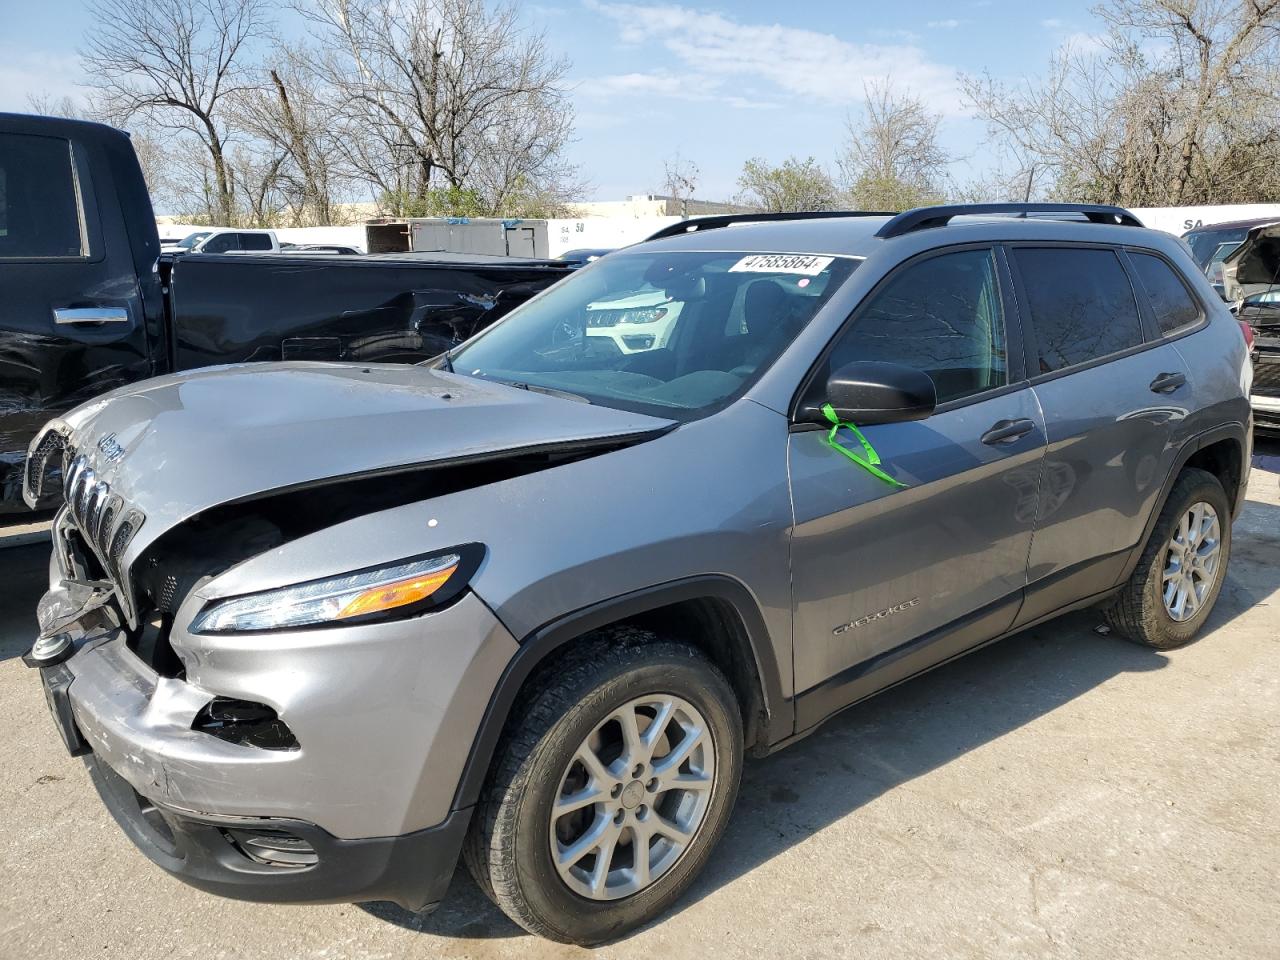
[88,302]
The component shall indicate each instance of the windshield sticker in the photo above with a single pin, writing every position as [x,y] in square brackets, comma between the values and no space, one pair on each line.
[782,263]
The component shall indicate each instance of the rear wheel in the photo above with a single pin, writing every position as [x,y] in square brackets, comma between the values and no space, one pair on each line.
[609,790]
[1180,573]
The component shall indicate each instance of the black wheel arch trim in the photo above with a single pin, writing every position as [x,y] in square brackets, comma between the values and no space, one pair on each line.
[777,722]
[1190,447]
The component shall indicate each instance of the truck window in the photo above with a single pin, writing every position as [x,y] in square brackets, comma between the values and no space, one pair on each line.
[39,210]
[255,241]
[221,243]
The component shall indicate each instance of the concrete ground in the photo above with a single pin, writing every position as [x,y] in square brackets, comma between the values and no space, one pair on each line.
[1061,794]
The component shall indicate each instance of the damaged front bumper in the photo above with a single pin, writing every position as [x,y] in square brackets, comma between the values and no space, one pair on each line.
[360,808]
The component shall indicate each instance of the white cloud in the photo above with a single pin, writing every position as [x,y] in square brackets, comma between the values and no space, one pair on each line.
[1053,23]
[25,74]
[804,63]
[663,83]
[943,24]
[1086,42]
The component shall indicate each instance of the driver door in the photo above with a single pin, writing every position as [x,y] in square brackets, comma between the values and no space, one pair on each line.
[888,581]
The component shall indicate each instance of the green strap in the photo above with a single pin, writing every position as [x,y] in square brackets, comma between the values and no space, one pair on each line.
[872,463]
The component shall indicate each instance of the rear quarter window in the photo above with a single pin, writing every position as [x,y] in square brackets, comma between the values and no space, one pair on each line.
[39,207]
[1081,302]
[1174,306]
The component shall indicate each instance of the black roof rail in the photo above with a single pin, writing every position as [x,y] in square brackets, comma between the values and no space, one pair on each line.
[698,224]
[922,218]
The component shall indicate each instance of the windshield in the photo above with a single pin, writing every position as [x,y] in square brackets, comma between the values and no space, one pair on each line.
[188,242]
[670,334]
[1204,243]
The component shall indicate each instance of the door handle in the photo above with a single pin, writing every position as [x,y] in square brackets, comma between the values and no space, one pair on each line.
[1167,382]
[90,315]
[1007,431]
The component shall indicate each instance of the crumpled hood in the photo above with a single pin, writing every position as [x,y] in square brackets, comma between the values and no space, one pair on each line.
[177,445]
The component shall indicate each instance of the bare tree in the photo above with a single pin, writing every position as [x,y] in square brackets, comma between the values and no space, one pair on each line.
[892,159]
[680,180]
[450,95]
[176,64]
[1177,106]
[148,150]
[792,186]
[293,124]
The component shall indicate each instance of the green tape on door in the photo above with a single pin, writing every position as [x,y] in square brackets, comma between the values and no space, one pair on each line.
[872,463]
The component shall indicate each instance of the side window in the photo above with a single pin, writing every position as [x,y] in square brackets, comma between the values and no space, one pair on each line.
[942,315]
[255,241]
[39,210]
[1173,304]
[1082,304]
[220,243]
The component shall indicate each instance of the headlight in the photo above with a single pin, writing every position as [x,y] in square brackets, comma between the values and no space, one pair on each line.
[643,315]
[402,589]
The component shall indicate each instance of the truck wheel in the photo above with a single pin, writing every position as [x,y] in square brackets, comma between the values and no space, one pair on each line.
[1180,573]
[611,787]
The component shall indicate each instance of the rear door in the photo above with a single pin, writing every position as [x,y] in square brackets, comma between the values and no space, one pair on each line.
[71,319]
[1114,396]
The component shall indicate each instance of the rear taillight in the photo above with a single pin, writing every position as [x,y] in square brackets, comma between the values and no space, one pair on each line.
[1248,333]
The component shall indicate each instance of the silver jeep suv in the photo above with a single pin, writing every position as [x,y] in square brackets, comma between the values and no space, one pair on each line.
[320,629]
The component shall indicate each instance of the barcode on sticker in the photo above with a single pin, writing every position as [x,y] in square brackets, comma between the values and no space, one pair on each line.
[782,263]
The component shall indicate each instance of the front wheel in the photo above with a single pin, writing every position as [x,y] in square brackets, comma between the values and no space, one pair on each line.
[612,786]
[1180,573]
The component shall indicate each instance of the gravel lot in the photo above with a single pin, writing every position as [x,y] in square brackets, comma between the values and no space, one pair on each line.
[1062,794]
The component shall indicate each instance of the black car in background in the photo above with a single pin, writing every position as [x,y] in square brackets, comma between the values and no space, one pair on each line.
[90,303]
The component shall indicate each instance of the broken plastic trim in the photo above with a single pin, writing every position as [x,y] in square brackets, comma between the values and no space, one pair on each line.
[245,723]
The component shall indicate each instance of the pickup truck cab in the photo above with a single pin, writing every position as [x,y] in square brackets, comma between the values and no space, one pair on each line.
[92,304]
[226,240]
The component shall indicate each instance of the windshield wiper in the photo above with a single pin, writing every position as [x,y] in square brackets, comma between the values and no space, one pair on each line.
[537,388]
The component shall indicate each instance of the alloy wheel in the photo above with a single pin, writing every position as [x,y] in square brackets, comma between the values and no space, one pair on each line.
[1192,561]
[631,800]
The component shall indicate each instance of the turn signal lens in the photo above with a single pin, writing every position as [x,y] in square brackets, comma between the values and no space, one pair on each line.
[398,594]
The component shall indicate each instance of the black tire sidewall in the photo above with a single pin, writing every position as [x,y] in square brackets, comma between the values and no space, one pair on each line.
[545,893]
[1169,632]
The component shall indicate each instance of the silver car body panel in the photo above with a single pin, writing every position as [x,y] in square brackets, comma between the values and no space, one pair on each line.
[351,775]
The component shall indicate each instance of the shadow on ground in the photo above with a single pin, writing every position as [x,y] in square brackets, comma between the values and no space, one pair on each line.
[24,576]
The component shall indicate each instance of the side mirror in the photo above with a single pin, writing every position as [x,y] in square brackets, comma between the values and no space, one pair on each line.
[868,392]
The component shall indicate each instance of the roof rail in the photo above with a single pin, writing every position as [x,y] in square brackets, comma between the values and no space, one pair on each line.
[923,218]
[698,224]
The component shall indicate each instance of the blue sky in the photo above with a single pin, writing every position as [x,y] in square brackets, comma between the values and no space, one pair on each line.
[714,82]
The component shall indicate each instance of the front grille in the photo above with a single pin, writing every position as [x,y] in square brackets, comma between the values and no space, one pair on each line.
[37,467]
[1266,377]
[104,520]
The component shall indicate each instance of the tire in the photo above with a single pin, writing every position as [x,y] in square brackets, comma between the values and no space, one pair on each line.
[1139,612]
[509,850]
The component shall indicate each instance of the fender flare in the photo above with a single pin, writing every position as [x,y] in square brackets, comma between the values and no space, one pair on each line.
[778,719]
[1191,446]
